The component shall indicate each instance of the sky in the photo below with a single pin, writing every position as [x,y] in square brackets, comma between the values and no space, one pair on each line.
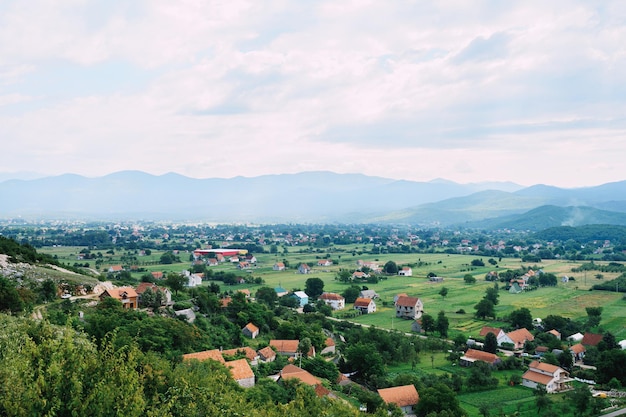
[524,91]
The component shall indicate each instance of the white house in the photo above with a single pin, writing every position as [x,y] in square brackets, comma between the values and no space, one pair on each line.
[405,272]
[279,266]
[304,269]
[365,305]
[409,307]
[552,377]
[335,301]
[405,397]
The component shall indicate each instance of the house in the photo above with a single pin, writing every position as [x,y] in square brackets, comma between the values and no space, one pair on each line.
[246,351]
[280,291]
[213,354]
[241,372]
[115,268]
[519,337]
[365,305]
[304,269]
[279,266]
[515,288]
[405,272]
[324,262]
[243,265]
[212,262]
[369,294]
[329,347]
[501,336]
[250,330]
[405,397]
[294,372]
[193,280]
[267,354]
[335,301]
[435,279]
[473,355]
[250,258]
[302,297]
[555,333]
[157,274]
[245,292]
[576,337]
[409,307]
[578,352]
[591,339]
[285,347]
[126,295]
[359,275]
[552,377]
[166,294]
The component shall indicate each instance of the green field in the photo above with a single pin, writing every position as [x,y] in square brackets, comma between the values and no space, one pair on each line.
[568,300]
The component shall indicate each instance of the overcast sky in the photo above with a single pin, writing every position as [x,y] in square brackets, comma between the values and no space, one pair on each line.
[523,91]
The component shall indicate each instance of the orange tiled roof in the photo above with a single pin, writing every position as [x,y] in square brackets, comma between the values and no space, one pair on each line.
[537,377]
[577,348]
[406,301]
[479,355]
[249,352]
[330,296]
[213,354]
[542,366]
[285,346]
[362,302]
[240,369]
[591,339]
[401,396]
[520,335]
[486,330]
[118,293]
[267,352]
[292,371]
[252,328]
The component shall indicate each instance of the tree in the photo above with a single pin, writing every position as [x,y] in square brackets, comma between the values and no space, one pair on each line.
[492,295]
[390,267]
[48,290]
[314,287]
[365,360]
[428,323]
[541,399]
[477,262]
[304,346]
[491,343]
[9,297]
[442,324]
[580,398]
[521,318]
[351,293]
[344,276]
[469,279]
[267,296]
[438,399]
[176,282]
[593,316]
[484,309]
[443,292]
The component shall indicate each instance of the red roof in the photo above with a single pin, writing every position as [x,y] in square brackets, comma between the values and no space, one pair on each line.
[214,354]
[401,396]
[520,335]
[479,355]
[486,330]
[406,301]
[362,302]
[330,296]
[591,339]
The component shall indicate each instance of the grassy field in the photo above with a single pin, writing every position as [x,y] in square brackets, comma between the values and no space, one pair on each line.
[566,299]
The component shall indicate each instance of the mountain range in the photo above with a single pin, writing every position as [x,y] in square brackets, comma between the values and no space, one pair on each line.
[320,197]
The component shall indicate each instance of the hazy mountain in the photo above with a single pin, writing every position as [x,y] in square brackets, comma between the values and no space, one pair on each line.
[303,197]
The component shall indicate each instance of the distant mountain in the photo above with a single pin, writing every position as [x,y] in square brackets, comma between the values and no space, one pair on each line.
[303,197]
[321,197]
[549,216]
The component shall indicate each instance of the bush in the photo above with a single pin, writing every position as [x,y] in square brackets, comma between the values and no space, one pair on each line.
[182,305]
[460,311]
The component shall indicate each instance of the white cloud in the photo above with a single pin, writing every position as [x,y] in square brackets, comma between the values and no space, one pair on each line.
[413,90]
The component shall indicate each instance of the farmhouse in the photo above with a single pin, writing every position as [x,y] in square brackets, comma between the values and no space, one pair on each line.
[302,297]
[213,354]
[552,377]
[304,269]
[405,272]
[335,301]
[405,397]
[499,333]
[279,266]
[324,262]
[126,295]
[241,372]
[591,339]
[365,305]
[369,294]
[166,295]
[409,307]
[267,354]
[519,337]
[473,355]
[250,330]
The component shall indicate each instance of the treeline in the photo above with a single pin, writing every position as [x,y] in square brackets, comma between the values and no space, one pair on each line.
[26,253]
[616,234]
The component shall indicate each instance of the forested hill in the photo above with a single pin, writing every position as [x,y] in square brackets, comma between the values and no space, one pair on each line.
[584,233]
[19,252]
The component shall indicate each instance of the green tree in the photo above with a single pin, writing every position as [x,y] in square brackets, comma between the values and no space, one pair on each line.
[469,279]
[491,343]
[442,324]
[267,296]
[443,292]
[314,287]
[48,290]
[9,297]
[428,323]
[521,318]
[438,398]
[390,267]
[366,361]
[541,399]
[351,293]
[492,295]
[484,309]
[344,276]
[580,397]
[176,282]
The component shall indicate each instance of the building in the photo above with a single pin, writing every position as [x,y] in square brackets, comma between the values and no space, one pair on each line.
[213,354]
[126,295]
[335,301]
[241,372]
[324,262]
[405,397]
[369,294]
[365,305]
[250,330]
[405,272]
[473,355]
[267,354]
[519,337]
[166,294]
[304,269]
[409,307]
[279,266]
[302,297]
[551,377]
